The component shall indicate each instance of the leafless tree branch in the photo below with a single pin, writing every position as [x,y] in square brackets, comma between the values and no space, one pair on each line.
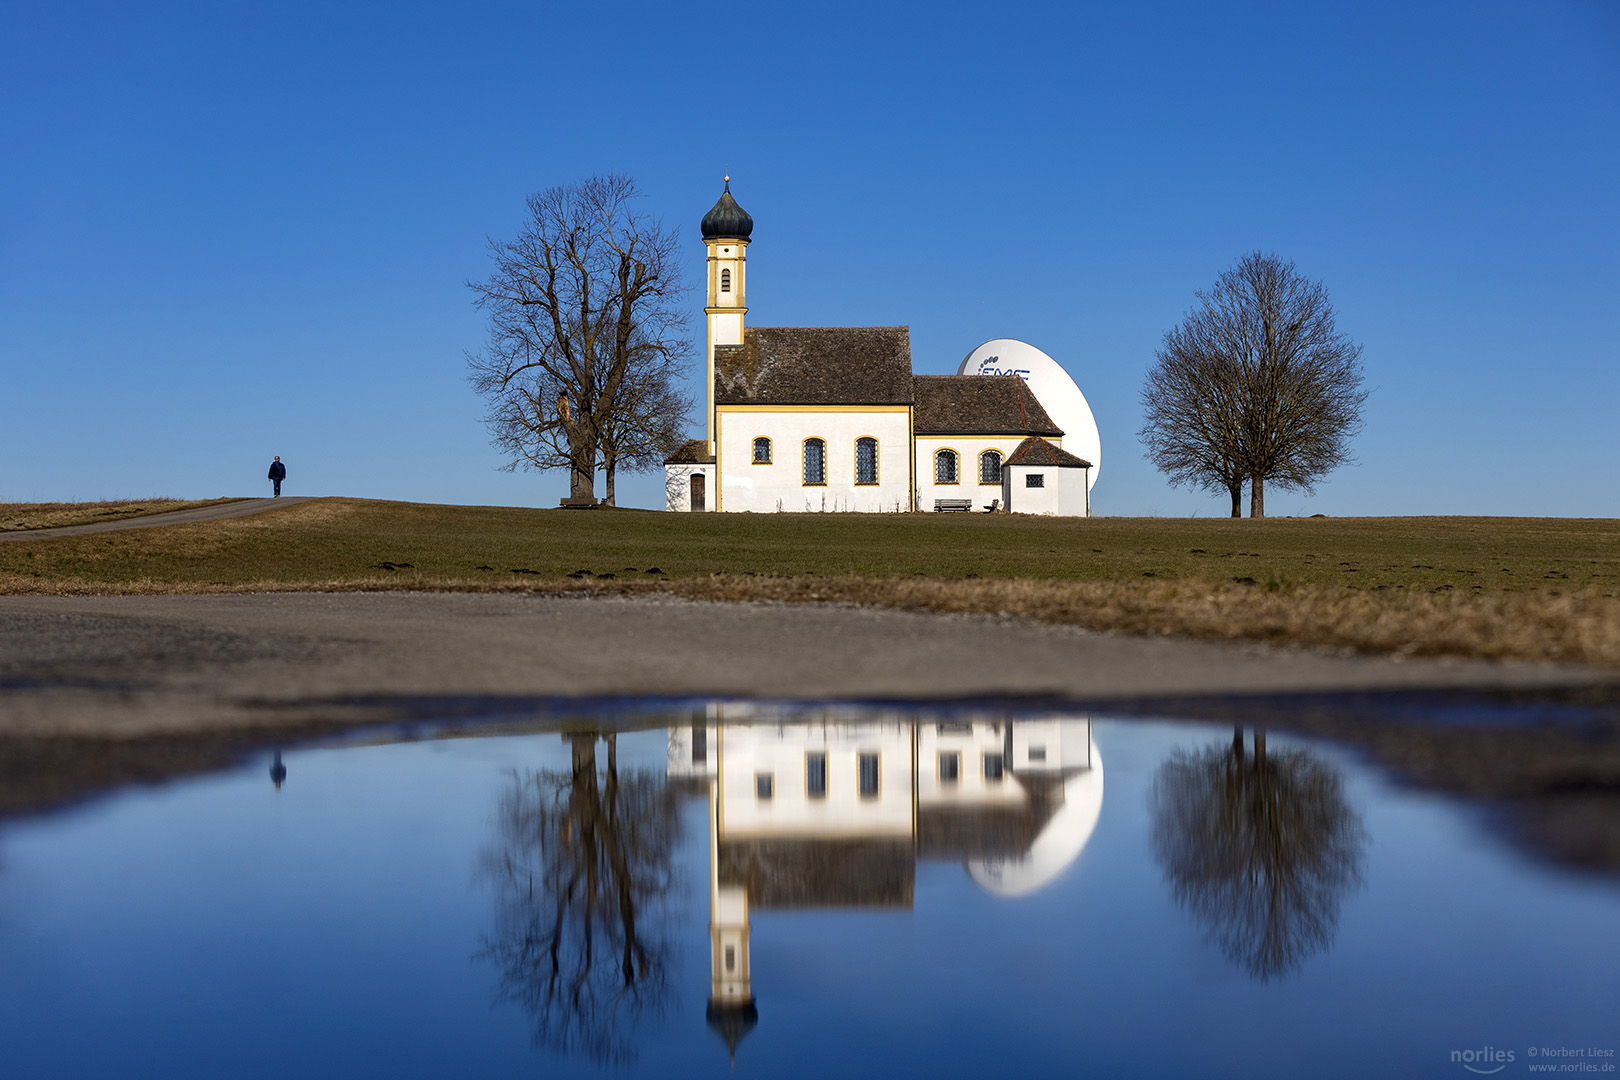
[1256,384]
[586,334]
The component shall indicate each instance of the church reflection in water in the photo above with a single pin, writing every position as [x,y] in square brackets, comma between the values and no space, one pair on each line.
[835,811]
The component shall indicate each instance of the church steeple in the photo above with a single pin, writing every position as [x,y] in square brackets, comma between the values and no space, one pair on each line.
[726,229]
[731,1011]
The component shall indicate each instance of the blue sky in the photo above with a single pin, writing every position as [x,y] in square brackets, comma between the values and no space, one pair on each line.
[232,231]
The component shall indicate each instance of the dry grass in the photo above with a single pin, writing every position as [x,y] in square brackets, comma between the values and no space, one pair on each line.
[21,516]
[1533,589]
[1580,629]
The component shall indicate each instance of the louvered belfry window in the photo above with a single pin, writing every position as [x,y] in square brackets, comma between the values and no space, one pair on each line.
[725,281]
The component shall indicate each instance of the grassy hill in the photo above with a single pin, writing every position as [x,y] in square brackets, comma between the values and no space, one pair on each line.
[1535,588]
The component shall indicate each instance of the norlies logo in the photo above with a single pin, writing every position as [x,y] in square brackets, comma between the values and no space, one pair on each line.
[1485,1061]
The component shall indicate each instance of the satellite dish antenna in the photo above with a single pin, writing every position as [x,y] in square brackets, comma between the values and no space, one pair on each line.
[1053,388]
[1061,842]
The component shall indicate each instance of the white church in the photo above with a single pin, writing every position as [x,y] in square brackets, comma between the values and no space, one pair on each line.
[837,811]
[816,419]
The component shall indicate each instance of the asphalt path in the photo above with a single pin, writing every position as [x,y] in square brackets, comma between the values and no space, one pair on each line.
[240,508]
[143,665]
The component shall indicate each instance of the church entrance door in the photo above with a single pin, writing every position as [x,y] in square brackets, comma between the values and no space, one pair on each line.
[699,484]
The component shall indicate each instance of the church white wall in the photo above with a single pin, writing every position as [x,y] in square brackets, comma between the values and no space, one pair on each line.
[967,450]
[1021,498]
[780,751]
[1074,492]
[971,748]
[726,328]
[678,487]
[692,753]
[1066,492]
[746,487]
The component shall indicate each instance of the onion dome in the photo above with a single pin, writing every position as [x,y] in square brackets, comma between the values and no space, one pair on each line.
[732,1020]
[727,220]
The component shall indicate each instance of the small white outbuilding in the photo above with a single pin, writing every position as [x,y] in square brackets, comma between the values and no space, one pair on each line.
[1043,478]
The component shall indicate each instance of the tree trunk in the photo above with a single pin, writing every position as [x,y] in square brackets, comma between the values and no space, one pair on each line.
[1236,488]
[1257,497]
[582,482]
[581,456]
[610,462]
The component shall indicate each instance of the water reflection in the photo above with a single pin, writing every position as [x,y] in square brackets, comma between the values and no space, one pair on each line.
[278,771]
[1260,848]
[582,871]
[173,920]
[836,811]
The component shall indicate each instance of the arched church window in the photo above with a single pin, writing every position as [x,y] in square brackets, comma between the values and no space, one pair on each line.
[725,281]
[762,451]
[945,468]
[866,460]
[815,462]
[990,467]
[866,767]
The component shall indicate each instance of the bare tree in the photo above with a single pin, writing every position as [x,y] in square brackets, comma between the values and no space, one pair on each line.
[648,421]
[1192,416]
[1260,849]
[1256,384]
[585,327]
[582,870]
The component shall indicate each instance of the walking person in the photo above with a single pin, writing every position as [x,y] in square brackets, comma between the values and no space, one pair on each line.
[278,473]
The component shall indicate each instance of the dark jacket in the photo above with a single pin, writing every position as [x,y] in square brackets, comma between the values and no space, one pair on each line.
[278,471]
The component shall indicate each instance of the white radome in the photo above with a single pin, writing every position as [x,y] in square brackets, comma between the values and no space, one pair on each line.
[1053,388]
[1059,844]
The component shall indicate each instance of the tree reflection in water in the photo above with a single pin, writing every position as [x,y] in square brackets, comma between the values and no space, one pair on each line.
[1260,849]
[582,871]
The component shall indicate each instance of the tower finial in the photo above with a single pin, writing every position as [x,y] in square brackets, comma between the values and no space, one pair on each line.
[728,183]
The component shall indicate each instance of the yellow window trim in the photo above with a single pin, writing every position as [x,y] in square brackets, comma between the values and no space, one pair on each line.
[990,450]
[878,794]
[938,450]
[806,441]
[876,458]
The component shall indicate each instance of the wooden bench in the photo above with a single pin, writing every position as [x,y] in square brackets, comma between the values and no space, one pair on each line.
[964,505]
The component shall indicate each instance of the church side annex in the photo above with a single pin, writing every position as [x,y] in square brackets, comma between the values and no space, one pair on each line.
[823,419]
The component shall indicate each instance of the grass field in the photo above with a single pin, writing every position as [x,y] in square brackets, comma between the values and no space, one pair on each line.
[1532,588]
[22,516]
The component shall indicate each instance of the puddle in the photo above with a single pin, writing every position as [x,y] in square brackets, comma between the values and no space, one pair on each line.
[761,891]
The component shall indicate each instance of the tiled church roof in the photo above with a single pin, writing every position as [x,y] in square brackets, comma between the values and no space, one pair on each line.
[978,405]
[695,452]
[823,365]
[1037,451]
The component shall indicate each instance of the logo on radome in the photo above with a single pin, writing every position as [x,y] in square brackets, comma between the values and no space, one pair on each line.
[987,366]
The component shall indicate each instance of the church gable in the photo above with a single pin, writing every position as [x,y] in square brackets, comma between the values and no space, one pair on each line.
[827,365]
[978,405]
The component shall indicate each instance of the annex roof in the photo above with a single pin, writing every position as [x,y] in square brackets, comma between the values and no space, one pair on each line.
[978,405]
[695,452]
[815,365]
[1037,451]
